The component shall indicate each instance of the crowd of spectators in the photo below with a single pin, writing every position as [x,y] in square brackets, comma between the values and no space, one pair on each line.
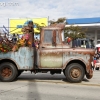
[15,38]
[36,42]
[96,61]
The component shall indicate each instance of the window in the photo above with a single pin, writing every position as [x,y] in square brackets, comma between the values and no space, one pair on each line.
[48,36]
[62,34]
[57,37]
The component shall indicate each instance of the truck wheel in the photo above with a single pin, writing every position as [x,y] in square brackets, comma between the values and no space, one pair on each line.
[74,73]
[8,72]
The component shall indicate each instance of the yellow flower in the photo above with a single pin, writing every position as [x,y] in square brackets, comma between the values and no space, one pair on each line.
[0,45]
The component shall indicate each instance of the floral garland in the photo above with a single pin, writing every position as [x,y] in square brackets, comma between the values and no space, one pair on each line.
[21,43]
[5,48]
[7,45]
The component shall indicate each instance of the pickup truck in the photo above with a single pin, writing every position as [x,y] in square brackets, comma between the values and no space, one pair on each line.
[52,55]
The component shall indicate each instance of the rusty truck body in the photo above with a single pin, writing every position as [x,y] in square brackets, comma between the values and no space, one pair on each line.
[52,55]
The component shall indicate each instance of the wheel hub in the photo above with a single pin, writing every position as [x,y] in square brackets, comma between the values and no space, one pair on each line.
[6,72]
[75,73]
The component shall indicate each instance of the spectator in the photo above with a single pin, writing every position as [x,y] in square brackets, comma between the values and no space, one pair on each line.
[97,64]
[1,39]
[99,54]
[14,38]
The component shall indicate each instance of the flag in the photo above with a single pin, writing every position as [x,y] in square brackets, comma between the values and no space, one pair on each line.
[5,30]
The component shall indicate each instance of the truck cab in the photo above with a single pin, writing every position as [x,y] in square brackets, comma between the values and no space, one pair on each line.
[52,55]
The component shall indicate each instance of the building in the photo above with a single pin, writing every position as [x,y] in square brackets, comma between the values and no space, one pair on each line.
[92,25]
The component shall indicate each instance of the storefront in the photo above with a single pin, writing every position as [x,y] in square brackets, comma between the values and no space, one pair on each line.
[91,24]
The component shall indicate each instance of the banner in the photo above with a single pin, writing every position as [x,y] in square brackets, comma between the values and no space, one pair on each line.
[17,24]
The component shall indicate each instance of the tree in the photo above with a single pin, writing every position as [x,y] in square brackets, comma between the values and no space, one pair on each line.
[59,20]
[38,27]
[73,32]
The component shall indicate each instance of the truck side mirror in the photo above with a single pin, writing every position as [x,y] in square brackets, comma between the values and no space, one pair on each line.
[54,38]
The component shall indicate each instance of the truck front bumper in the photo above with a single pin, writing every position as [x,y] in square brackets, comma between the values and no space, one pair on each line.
[90,74]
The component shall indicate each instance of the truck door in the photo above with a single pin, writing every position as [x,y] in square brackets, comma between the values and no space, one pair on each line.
[51,50]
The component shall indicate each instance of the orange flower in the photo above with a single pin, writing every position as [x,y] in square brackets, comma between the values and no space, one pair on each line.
[1,49]
[4,50]
[15,47]
[29,43]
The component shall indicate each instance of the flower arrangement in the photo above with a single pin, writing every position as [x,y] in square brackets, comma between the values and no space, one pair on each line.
[5,48]
[14,44]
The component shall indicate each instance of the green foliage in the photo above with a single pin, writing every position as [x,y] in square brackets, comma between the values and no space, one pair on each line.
[38,27]
[59,20]
[74,32]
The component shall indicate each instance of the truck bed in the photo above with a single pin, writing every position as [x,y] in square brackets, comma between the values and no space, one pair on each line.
[23,58]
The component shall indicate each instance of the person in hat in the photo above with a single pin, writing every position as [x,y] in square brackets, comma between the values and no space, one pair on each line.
[27,36]
[31,31]
[28,33]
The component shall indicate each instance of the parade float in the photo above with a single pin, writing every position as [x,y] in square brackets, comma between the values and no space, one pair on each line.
[15,43]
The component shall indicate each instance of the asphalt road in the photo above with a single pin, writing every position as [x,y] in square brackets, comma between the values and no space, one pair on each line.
[57,78]
[50,87]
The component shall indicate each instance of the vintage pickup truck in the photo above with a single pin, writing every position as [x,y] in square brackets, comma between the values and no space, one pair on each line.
[52,55]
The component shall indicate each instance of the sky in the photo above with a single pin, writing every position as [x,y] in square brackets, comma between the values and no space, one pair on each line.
[53,9]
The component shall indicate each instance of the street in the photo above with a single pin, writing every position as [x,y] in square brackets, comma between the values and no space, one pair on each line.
[50,87]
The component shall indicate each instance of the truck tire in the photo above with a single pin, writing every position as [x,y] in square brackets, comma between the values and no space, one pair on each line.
[8,72]
[74,73]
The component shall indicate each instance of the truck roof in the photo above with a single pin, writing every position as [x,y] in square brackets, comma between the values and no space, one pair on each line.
[55,26]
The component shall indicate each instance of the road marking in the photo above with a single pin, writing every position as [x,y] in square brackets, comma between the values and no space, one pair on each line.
[58,82]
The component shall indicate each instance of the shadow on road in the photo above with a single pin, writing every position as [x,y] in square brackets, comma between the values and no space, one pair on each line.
[33,93]
[85,80]
[32,88]
[45,77]
[41,76]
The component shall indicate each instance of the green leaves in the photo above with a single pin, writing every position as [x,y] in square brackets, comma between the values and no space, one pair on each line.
[38,27]
[74,32]
[59,20]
